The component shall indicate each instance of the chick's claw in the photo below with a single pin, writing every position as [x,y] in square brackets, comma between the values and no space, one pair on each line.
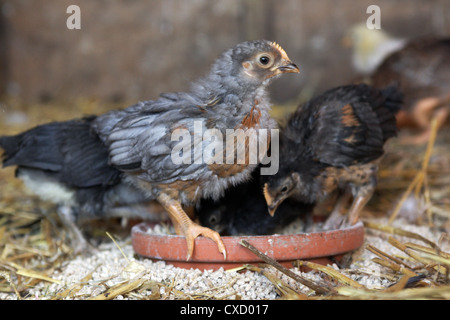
[194,230]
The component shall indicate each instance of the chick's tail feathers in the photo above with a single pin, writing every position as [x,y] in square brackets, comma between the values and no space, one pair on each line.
[10,146]
[41,146]
[26,149]
[68,150]
[388,103]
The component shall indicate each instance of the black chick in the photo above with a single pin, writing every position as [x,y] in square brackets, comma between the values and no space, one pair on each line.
[243,211]
[335,142]
[66,163]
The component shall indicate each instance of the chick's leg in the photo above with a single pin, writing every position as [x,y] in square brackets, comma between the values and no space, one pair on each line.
[362,195]
[184,225]
[78,241]
[336,218]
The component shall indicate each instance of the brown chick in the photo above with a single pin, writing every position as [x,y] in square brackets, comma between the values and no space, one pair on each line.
[334,142]
[422,71]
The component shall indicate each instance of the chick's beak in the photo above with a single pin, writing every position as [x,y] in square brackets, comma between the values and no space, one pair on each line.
[285,66]
[272,205]
[272,209]
[288,67]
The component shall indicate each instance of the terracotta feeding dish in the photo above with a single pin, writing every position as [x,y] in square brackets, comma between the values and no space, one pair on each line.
[319,247]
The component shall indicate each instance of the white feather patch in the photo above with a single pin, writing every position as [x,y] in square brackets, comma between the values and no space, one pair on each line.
[47,189]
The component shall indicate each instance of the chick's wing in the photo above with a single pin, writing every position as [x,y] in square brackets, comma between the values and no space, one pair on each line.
[142,142]
[341,129]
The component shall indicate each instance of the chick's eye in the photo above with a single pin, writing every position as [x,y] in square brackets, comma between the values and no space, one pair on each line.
[284,189]
[264,60]
[213,219]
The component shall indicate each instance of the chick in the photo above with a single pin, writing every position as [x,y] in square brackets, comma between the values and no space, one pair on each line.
[243,211]
[419,66]
[422,71]
[334,142]
[66,163]
[370,47]
[149,145]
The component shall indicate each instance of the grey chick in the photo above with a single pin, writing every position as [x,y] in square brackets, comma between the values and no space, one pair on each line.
[137,143]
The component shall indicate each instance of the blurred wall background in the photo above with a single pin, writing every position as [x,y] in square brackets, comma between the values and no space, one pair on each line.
[130,50]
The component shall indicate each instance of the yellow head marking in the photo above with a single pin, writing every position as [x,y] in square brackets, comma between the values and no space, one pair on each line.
[281,50]
[269,199]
